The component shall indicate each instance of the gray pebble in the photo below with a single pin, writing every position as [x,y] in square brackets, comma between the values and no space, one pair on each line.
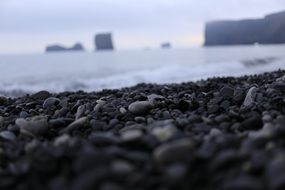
[41,95]
[123,110]
[52,101]
[175,151]
[250,97]
[215,132]
[131,135]
[37,126]
[80,112]
[99,105]
[7,135]
[164,133]
[140,107]
[61,140]
[140,119]
[75,125]
[23,114]
[121,167]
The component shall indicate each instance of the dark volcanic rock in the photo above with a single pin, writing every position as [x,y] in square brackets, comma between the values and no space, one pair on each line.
[140,107]
[270,30]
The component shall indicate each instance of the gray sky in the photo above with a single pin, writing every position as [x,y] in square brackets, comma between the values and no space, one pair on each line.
[27,26]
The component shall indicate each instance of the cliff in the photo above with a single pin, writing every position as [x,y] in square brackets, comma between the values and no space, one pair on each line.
[269,30]
[59,48]
[104,41]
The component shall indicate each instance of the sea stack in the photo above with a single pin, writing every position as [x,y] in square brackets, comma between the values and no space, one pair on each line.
[59,48]
[268,30]
[165,45]
[103,41]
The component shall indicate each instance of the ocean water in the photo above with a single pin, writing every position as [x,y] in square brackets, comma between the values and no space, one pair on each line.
[91,71]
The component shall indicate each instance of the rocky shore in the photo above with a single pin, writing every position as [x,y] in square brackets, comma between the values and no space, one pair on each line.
[221,133]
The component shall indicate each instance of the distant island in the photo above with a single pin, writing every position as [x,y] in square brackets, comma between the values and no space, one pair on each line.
[59,48]
[103,41]
[166,45]
[269,30]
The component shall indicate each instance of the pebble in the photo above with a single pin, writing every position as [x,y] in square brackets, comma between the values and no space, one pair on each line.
[23,114]
[36,126]
[75,125]
[140,107]
[250,97]
[140,119]
[123,110]
[80,112]
[164,133]
[7,135]
[131,135]
[61,140]
[215,132]
[121,167]
[175,151]
[51,101]
[99,105]
[227,92]
[42,95]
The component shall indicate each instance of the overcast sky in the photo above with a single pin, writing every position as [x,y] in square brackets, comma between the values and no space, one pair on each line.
[27,26]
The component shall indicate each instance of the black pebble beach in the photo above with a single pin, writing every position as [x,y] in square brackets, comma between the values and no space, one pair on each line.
[221,133]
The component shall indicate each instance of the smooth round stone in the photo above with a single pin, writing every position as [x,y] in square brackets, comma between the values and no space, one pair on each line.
[227,92]
[80,111]
[23,114]
[140,119]
[75,125]
[215,132]
[61,140]
[37,126]
[250,97]
[176,151]
[41,95]
[131,135]
[7,135]
[123,110]
[266,118]
[140,107]
[99,105]
[52,101]
[164,133]
[121,167]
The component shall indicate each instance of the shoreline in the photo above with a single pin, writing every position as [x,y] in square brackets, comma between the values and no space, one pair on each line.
[220,133]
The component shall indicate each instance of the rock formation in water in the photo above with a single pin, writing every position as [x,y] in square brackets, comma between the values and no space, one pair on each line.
[269,30]
[166,45]
[59,48]
[104,41]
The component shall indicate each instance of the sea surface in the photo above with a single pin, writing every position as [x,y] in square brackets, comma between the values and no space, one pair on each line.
[92,71]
